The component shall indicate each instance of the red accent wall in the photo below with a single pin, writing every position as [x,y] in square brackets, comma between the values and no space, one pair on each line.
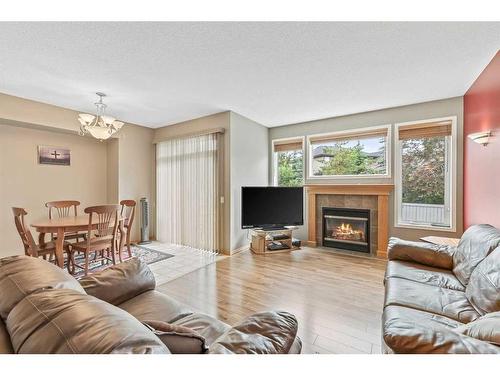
[482,164]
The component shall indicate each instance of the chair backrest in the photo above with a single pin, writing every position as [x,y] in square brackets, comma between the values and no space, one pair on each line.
[62,208]
[128,212]
[106,218]
[30,247]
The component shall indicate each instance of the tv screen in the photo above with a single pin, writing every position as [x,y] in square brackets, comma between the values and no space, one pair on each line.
[263,207]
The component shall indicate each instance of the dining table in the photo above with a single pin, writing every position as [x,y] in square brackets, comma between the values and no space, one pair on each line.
[70,224]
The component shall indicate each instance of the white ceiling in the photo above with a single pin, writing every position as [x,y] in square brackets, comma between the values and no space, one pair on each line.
[158,74]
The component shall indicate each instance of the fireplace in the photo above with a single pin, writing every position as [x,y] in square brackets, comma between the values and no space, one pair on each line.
[346,228]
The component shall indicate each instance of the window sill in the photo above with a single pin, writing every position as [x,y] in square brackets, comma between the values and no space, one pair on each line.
[424,227]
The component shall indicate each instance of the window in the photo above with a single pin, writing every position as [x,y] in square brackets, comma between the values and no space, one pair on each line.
[288,165]
[360,153]
[425,169]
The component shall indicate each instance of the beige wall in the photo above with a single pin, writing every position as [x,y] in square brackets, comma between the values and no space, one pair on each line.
[25,183]
[421,111]
[136,171]
[207,123]
[13,108]
[249,167]
[112,147]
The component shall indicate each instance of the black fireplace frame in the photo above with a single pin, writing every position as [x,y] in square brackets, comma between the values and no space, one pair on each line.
[348,212]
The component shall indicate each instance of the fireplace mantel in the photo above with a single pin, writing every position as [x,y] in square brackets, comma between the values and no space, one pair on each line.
[382,192]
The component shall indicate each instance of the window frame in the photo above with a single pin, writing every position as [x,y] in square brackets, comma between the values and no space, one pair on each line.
[450,189]
[274,167]
[354,132]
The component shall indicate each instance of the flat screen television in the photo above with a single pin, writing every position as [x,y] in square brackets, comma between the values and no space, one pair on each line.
[271,207]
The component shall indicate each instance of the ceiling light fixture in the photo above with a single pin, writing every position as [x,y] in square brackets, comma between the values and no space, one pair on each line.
[99,125]
[482,138]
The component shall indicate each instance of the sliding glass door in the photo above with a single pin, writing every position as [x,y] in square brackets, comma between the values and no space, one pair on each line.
[187,189]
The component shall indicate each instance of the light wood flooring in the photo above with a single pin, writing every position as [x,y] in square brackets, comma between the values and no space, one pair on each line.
[336,298]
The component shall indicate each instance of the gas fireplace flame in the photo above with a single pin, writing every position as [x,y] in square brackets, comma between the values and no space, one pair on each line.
[345,231]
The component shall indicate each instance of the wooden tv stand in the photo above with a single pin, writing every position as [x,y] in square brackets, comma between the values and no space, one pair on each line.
[262,241]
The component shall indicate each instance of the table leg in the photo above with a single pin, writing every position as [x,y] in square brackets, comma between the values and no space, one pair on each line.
[60,247]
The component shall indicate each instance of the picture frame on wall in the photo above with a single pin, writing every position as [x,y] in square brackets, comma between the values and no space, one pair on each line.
[51,155]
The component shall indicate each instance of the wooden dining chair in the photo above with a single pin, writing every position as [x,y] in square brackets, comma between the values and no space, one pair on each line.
[100,241]
[31,248]
[65,209]
[127,213]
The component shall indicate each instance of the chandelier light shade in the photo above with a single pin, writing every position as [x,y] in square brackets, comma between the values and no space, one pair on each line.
[99,125]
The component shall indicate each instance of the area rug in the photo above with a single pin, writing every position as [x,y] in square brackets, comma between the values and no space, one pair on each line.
[146,254]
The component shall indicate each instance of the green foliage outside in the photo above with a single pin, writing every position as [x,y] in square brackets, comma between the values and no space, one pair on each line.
[423,168]
[290,168]
[350,160]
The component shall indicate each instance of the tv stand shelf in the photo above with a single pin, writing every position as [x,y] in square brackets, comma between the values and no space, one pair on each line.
[272,241]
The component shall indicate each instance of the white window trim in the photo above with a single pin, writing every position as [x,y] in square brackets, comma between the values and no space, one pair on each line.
[354,132]
[452,165]
[274,166]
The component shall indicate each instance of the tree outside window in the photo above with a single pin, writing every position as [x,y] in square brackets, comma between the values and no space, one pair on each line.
[290,167]
[353,157]
[423,163]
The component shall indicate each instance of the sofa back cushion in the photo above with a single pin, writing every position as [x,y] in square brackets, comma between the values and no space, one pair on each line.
[66,321]
[120,282]
[483,290]
[475,245]
[22,275]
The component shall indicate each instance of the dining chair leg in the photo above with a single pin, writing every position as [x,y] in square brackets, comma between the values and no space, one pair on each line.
[68,261]
[117,247]
[128,244]
[113,255]
[86,263]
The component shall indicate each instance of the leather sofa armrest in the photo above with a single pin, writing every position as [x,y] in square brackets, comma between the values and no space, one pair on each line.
[272,332]
[440,256]
[120,282]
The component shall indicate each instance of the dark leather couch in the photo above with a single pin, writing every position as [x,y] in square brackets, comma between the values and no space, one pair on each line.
[45,310]
[441,299]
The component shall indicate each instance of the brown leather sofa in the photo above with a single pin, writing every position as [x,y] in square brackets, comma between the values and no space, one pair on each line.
[45,310]
[441,299]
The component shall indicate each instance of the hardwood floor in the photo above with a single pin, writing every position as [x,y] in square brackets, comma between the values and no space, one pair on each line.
[336,298]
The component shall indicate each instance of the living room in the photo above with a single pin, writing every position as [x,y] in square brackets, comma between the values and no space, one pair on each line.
[249,187]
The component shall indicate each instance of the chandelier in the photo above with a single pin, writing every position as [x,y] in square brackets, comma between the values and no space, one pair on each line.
[99,125]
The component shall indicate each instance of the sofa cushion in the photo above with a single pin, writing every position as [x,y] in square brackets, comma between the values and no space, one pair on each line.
[5,344]
[66,321]
[423,274]
[407,330]
[475,245]
[208,327]
[270,332]
[177,338]
[430,298]
[153,305]
[486,328]
[120,282]
[22,275]
[483,290]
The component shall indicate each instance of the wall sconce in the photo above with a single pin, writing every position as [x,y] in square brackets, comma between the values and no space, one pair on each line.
[482,138]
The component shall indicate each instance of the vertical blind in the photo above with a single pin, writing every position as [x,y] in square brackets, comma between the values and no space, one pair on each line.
[187,188]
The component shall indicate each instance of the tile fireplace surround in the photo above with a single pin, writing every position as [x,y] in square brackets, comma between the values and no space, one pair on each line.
[372,196]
